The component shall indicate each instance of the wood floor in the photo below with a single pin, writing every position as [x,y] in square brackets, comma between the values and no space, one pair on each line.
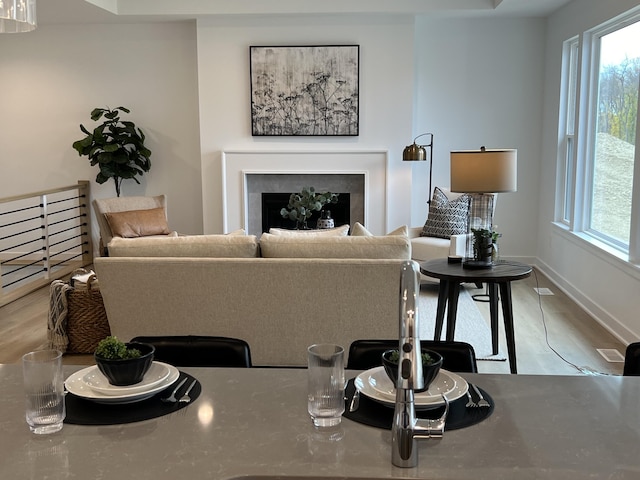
[570,331]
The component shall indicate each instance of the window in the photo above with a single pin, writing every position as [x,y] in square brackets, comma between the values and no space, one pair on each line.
[598,158]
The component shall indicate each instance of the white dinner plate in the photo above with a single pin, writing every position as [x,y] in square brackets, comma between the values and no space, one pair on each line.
[76,385]
[96,380]
[448,383]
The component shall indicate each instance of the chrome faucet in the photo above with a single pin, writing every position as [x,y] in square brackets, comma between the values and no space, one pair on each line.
[406,427]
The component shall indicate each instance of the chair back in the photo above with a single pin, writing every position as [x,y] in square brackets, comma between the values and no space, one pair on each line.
[200,351]
[122,204]
[457,356]
[632,360]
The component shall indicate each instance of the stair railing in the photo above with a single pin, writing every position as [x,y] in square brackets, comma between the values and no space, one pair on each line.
[43,236]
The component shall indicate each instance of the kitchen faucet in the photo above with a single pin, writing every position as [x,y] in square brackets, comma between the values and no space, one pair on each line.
[406,427]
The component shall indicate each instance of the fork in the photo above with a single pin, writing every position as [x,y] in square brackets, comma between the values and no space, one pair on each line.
[482,402]
[172,398]
[470,403]
[186,398]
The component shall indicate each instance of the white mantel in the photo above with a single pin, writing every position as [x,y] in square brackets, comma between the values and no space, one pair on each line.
[237,164]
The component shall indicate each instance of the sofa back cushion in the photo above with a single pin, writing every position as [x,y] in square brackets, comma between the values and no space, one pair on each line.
[214,246]
[395,247]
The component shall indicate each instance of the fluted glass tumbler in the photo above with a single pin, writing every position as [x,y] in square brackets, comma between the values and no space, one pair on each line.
[326,384]
[44,390]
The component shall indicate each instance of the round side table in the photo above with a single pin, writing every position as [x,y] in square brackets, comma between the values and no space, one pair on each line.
[500,276]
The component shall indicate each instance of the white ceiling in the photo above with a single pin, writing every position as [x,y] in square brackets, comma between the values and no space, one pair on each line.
[127,11]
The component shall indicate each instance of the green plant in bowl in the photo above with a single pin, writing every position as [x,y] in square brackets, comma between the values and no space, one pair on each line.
[123,363]
[431,363]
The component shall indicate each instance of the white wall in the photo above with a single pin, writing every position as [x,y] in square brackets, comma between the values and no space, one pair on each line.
[479,82]
[386,85]
[52,78]
[604,285]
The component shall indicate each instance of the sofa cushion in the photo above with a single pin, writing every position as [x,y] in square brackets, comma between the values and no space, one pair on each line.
[138,223]
[341,231]
[446,216]
[215,246]
[358,230]
[394,247]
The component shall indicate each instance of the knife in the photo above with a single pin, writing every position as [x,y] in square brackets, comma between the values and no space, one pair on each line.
[355,401]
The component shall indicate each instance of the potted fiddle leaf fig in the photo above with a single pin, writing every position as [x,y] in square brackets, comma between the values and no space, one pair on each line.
[116,146]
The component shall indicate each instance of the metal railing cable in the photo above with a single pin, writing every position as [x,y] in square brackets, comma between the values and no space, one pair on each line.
[43,236]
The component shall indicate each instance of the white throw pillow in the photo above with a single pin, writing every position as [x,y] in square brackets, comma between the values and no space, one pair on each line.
[329,232]
[358,230]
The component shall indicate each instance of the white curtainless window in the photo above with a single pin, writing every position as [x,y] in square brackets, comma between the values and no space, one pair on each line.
[598,162]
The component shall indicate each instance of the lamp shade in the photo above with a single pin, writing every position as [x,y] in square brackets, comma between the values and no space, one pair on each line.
[17,16]
[484,171]
[414,153]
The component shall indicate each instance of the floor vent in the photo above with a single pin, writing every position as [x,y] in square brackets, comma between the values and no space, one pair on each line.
[543,291]
[611,355]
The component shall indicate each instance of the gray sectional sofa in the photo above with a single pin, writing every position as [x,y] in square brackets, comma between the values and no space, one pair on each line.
[281,293]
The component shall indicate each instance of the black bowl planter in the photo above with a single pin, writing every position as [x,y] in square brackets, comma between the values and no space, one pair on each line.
[129,371]
[429,371]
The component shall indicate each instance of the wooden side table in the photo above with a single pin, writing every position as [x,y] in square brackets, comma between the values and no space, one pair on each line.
[500,276]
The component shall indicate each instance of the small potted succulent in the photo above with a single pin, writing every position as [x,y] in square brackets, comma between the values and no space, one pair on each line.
[123,363]
[431,363]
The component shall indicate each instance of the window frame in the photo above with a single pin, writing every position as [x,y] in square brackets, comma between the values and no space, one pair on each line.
[577,141]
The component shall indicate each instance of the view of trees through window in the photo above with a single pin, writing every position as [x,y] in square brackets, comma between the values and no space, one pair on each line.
[615,142]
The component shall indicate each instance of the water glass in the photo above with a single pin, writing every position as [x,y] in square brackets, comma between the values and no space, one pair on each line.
[326,384]
[44,390]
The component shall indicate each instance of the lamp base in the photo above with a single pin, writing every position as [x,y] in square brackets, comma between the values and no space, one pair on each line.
[477,264]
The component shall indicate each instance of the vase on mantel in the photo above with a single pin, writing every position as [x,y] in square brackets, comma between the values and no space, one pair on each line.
[325,220]
[302,224]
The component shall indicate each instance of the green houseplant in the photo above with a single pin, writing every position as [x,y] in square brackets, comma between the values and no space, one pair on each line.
[116,146]
[123,363]
[431,364]
[484,243]
[302,205]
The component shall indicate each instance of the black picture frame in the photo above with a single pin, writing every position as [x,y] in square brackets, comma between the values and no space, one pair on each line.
[305,90]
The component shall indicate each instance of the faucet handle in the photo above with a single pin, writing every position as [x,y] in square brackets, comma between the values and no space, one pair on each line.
[433,428]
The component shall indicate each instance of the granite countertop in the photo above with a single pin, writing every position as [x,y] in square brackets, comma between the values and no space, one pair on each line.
[253,422]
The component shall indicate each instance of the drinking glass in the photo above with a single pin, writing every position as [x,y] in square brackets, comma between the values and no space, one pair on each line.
[326,384]
[44,390]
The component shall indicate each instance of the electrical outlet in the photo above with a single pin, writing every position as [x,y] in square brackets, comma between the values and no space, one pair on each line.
[611,355]
[543,291]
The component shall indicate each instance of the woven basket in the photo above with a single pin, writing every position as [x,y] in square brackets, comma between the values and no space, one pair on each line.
[87,322]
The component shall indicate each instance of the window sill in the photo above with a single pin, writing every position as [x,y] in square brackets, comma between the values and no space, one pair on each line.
[600,249]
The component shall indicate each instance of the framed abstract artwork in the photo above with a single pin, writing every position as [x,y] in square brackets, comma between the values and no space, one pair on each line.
[305,90]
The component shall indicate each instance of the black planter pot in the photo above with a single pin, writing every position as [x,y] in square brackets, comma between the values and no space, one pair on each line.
[130,371]
[429,372]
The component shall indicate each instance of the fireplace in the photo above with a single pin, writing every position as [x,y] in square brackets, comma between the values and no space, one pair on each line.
[246,175]
[272,203]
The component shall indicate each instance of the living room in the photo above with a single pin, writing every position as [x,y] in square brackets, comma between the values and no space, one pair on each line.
[472,77]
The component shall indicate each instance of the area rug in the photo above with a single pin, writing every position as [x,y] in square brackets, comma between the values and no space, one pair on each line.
[471,327]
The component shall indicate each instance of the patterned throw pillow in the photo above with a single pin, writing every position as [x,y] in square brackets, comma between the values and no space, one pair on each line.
[446,217]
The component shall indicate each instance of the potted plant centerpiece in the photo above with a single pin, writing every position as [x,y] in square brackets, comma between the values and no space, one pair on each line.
[123,363]
[302,205]
[484,245]
[431,363]
[116,146]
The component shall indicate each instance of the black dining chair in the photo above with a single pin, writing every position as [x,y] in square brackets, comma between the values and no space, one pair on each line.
[632,360]
[199,351]
[457,356]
